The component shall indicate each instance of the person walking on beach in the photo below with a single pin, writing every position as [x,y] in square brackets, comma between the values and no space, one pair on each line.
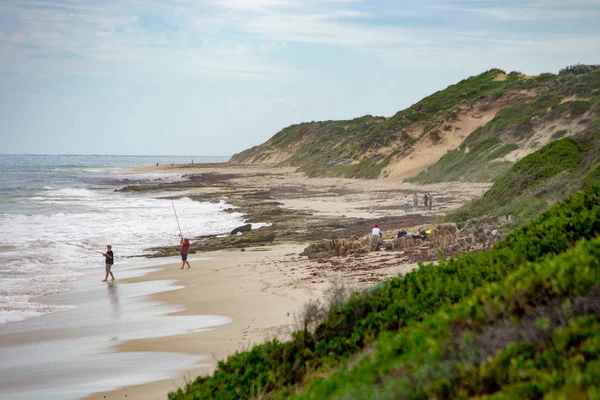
[406,204]
[110,260]
[430,201]
[416,201]
[375,237]
[425,201]
[185,249]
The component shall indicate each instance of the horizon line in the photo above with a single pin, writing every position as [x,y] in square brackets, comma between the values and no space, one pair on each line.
[108,155]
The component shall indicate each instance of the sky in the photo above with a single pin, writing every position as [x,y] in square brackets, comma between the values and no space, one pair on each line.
[215,77]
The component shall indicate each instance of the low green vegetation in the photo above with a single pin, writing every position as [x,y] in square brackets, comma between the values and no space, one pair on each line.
[515,123]
[363,147]
[533,335]
[426,331]
[559,134]
[478,162]
[540,179]
[578,69]
[471,90]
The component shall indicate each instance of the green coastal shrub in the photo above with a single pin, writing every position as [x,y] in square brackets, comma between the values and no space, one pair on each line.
[550,101]
[469,163]
[532,334]
[557,157]
[540,179]
[276,368]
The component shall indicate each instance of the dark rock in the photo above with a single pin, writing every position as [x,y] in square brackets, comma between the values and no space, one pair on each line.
[242,229]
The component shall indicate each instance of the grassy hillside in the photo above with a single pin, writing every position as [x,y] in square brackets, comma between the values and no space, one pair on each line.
[353,148]
[519,320]
[535,334]
[540,179]
[525,110]
[572,95]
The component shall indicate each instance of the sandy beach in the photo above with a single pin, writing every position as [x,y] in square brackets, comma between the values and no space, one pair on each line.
[249,287]
[261,289]
[238,296]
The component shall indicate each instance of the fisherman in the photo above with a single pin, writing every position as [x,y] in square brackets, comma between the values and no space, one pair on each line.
[185,249]
[110,260]
[416,201]
[425,200]
[406,204]
[375,237]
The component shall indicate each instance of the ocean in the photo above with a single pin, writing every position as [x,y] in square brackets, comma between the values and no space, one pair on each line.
[58,213]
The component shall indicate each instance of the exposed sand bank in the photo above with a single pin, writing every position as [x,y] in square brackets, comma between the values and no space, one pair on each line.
[358,198]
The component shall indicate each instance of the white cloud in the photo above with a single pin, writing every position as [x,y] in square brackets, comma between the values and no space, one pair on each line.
[214,37]
[532,10]
[255,5]
[532,14]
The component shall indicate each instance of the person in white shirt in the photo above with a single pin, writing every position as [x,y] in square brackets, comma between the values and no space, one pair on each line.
[406,204]
[375,237]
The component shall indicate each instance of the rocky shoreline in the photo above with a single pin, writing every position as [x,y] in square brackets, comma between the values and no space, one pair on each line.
[286,225]
[261,195]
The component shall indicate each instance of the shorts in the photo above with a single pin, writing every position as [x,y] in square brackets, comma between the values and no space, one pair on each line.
[184,257]
[108,267]
[374,240]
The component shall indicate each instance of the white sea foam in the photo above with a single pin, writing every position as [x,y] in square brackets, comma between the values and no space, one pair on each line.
[17,308]
[46,250]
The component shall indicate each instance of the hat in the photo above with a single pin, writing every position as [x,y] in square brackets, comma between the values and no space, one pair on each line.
[376,226]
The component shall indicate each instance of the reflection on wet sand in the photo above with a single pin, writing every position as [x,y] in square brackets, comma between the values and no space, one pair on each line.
[113,296]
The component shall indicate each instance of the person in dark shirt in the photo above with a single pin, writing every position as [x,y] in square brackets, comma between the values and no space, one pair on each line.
[185,249]
[110,260]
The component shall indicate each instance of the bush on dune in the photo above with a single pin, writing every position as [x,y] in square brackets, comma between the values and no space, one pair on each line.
[540,179]
[535,333]
[276,368]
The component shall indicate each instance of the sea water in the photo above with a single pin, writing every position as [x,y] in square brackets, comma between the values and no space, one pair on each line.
[58,213]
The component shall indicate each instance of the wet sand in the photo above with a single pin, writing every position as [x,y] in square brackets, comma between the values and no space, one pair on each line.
[261,289]
[245,286]
[70,354]
[165,326]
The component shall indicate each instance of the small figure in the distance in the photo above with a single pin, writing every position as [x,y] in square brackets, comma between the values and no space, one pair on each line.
[110,260]
[375,237]
[185,249]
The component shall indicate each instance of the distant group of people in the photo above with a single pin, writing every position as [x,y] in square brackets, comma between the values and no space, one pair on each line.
[109,257]
[376,233]
[427,202]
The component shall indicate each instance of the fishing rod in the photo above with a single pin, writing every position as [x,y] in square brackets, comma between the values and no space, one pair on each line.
[175,211]
[84,247]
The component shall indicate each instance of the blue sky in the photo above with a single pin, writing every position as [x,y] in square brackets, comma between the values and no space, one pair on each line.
[215,77]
